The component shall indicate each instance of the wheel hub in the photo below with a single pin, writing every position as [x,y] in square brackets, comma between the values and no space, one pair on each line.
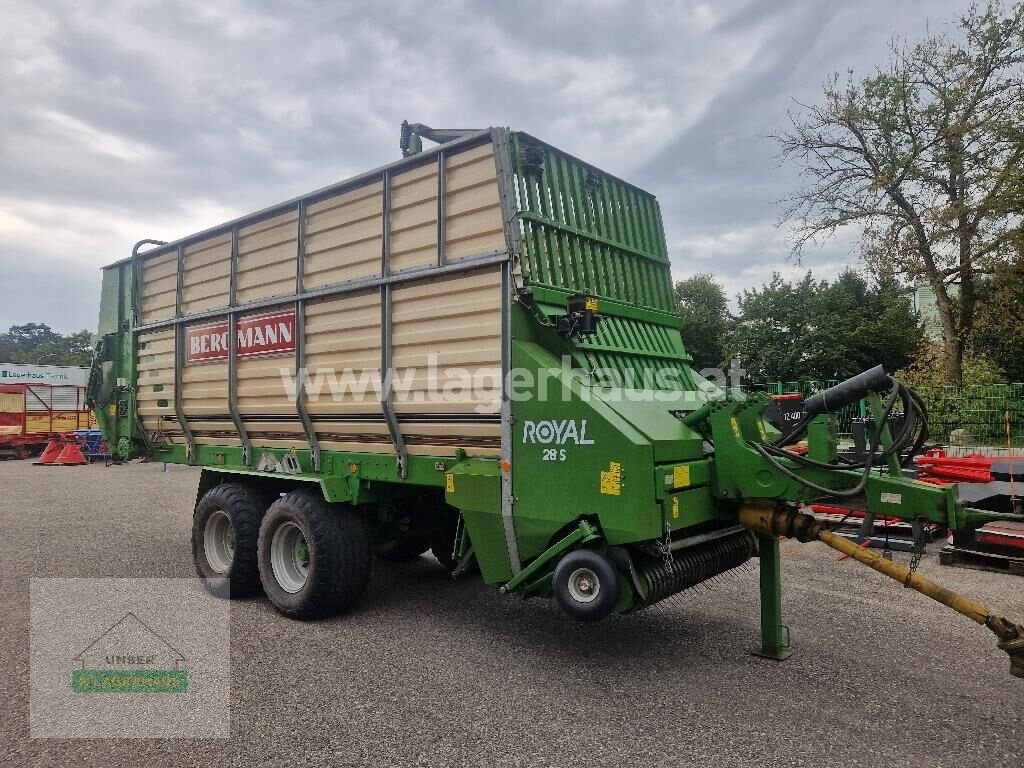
[219,541]
[289,557]
[584,586]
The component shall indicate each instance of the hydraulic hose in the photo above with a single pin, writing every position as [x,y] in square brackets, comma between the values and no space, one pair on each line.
[845,392]
[905,443]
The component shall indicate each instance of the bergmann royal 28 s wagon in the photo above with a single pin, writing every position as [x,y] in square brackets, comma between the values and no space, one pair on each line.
[538,420]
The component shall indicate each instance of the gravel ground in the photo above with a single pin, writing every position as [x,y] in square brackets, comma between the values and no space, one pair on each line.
[427,671]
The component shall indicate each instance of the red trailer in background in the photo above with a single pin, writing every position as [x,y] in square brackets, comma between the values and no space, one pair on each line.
[32,414]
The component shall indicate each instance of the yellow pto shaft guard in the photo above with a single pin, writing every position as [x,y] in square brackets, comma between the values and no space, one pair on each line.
[771,520]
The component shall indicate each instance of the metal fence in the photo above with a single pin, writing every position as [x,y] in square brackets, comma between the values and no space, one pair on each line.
[984,415]
[978,417]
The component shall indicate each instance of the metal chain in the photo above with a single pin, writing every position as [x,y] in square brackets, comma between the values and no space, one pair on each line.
[918,552]
[458,535]
[666,546]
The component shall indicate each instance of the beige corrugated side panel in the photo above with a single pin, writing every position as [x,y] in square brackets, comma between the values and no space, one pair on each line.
[262,392]
[414,218]
[452,322]
[446,355]
[267,258]
[456,319]
[159,286]
[343,359]
[473,222]
[204,389]
[343,237]
[343,350]
[155,383]
[207,275]
[261,389]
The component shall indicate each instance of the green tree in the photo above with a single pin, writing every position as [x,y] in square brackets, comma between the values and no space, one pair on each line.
[924,158]
[26,338]
[36,343]
[705,312]
[820,330]
[772,328]
[926,369]
[999,327]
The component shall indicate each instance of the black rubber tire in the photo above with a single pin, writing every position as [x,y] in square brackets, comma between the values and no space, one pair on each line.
[607,578]
[402,550]
[340,555]
[245,509]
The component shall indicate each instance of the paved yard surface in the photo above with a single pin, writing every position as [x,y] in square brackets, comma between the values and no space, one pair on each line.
[427,671]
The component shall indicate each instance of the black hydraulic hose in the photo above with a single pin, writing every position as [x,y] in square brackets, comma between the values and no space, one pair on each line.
[842,394]
[849,492]
[914,414]
[876,437]
[798,429]
[915,411]
[922,412]
[848,391]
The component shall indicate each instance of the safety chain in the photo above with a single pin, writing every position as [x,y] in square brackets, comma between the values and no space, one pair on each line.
[666,546]
[458,535]
[918,551]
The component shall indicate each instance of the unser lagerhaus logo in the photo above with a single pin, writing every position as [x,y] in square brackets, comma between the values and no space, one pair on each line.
[130,657]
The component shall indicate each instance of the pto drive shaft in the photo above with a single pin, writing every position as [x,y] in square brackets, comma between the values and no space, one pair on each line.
[778,521]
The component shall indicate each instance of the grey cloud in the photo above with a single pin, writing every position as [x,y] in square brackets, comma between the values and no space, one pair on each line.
[127,120]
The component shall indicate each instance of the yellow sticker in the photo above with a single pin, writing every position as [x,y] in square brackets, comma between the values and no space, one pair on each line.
[736,428]
[675,507]
[449,483]
[611,481]
[681,476]
[591,304]
[760,428]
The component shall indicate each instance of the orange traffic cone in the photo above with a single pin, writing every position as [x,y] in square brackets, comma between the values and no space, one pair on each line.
[53,449]
[71,455]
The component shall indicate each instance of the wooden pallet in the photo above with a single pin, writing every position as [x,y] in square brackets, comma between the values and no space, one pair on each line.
[981,561]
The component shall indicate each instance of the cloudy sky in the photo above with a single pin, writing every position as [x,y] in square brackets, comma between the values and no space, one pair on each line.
[125,119]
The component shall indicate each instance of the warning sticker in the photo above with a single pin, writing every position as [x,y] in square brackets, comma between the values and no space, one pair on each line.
[681,476]
[449,483]
[892,498]
[736,428]
[675,507]
[611,481]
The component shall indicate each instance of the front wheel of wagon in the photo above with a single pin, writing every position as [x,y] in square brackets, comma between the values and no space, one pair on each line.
[314,558]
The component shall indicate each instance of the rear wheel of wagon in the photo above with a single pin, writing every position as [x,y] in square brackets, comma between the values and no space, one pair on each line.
[314,558]
[225,530]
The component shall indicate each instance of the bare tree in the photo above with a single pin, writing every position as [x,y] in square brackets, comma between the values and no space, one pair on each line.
[924,157]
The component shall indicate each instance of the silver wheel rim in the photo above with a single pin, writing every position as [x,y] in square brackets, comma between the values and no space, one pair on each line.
[584,586]
[289,557]
[219,541]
